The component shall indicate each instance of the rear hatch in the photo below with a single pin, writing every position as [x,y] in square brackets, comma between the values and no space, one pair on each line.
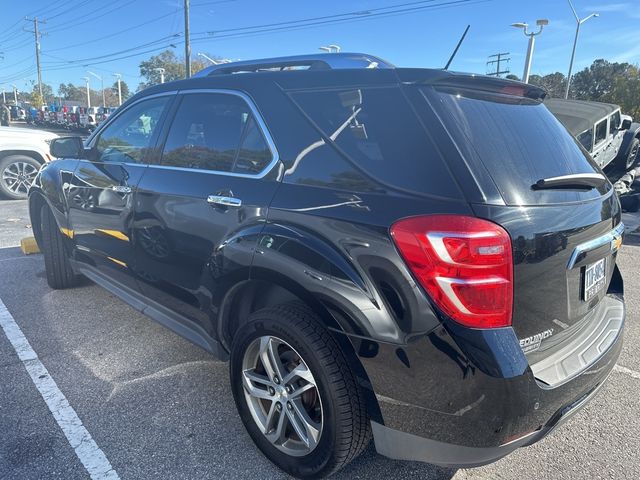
[564,244]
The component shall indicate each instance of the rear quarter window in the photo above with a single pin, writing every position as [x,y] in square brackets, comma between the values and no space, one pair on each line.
[378,131]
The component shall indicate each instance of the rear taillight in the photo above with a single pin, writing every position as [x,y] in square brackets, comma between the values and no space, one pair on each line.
[464,263]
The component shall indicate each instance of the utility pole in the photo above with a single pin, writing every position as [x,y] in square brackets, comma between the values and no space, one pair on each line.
[119,77]
[86,79]
[4,97]
[15,94]
[187,41]
[161,72]
[37,37]
[499,58]
[579,22]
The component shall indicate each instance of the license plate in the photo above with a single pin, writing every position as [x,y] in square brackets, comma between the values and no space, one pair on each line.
[594,279]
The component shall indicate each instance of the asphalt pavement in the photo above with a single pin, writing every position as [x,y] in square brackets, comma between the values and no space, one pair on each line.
[158,407]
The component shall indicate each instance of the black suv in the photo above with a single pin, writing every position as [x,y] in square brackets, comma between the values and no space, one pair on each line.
[424,257]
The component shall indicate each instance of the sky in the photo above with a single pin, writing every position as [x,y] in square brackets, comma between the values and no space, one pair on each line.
[107,37]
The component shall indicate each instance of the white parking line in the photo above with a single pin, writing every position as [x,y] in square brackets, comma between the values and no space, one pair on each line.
[627,371]
[88,452]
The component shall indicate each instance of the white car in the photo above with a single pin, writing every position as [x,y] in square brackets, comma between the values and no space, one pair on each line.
[22,152]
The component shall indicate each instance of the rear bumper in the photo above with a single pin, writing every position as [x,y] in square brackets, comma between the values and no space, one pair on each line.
[406,446]
[465,402]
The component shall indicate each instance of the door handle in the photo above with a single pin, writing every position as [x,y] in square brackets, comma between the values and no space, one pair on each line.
[121,188]
[224,201]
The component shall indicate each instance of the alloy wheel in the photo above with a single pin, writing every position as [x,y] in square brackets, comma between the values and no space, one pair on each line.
[19,176]
[282,395]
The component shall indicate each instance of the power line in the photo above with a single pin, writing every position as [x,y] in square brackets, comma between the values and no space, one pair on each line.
[499,58]
[83,61]
[119,32]
[93,14]
[373,12]
[305,23]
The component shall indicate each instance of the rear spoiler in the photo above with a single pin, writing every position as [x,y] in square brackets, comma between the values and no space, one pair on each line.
[469,81]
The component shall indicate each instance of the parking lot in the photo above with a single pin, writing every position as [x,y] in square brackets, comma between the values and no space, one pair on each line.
[158,407]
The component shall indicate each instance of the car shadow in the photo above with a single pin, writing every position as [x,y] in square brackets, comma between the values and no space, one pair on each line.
[370,461]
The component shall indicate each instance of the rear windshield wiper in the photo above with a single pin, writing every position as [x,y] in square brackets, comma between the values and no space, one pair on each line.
[575,180]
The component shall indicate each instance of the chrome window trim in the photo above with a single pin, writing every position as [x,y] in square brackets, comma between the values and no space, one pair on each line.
[585,247]
[261,125]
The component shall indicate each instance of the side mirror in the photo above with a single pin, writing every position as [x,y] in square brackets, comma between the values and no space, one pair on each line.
[626,124]
[67,147]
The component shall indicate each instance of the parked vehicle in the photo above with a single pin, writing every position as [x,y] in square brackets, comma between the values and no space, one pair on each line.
[417,255]
[22,152]
[601,129]
[17,113]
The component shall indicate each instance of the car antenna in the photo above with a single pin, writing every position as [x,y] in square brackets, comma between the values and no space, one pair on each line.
[446,67]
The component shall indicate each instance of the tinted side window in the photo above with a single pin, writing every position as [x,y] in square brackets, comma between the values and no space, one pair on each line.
[601,131]
[614,122]
[254,154]
[379,132]
[130,135]
[215,131]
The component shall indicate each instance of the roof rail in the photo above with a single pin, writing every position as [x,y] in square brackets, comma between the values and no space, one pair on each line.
[320,61]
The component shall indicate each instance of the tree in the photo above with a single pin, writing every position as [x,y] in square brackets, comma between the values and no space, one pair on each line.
[626,92]
[511,76]
[598,80]
[554,83]
[34,96]
[173,65]
[124,88]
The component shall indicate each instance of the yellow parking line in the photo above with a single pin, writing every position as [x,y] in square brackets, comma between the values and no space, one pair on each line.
[119,262]
[66,232]
[113,233]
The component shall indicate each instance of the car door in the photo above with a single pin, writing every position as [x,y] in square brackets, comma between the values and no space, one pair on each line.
[200,209]
[101,192]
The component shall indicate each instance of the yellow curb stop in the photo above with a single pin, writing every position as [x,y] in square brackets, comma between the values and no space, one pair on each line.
[28,246]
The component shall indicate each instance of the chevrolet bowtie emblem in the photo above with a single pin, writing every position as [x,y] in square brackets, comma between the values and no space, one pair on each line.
[616,243]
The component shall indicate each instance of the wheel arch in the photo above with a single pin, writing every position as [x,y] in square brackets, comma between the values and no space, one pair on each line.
[252,295]
[630,135]
[37,156]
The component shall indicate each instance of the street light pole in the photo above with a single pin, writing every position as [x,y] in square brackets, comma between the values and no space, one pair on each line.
[4,97]
[161,72]
[104,103]
[86,79]
[579,22]
[119,77]
[532,43]
[15,94]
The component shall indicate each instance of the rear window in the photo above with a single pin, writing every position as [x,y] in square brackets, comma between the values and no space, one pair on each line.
[377,130]
[517,140]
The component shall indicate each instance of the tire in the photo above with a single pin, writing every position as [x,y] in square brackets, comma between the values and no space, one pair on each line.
[296,334]
[17,173]
[60,275]
[630,159]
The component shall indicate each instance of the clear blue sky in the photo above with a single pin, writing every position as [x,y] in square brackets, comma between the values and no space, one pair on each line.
[78,31]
